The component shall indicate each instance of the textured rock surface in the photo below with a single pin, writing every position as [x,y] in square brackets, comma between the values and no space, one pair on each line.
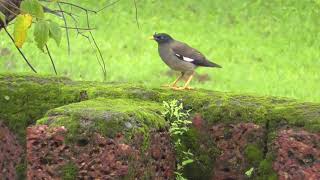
[111,130]
[10,153]
[297,155]
[237,143]
[50,157]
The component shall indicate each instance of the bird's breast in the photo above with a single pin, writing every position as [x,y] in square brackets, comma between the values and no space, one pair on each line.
[169,57]
[165,53]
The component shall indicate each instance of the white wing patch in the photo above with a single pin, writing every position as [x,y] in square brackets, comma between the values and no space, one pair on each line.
[185,58]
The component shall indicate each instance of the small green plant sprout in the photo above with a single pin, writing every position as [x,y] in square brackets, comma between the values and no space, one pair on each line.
[249,172]
[174,110]
[178,127]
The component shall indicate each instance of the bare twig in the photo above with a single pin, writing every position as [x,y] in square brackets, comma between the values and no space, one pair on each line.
[101,66]
[11,4]
[66,12]
[97,47]
[66,25]
[135,5]
[76,24]
[52,62]
[77,6]
[21,53]
[108,5]
[79,28]
[102,59]
[6,8]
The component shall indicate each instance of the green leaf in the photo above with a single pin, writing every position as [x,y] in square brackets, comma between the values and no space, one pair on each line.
[55,32]
[41,33]
[32,7]
[189,161]
[3,18]
[249,172]
[21,26]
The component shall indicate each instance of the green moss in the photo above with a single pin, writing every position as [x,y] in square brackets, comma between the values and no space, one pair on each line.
[107,116]
[296,114]
[265,170]
[69,171]
[205,153]
[25,98]
[253,154]
[21,171]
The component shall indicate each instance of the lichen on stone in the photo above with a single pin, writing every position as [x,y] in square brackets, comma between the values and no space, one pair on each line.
[107,117]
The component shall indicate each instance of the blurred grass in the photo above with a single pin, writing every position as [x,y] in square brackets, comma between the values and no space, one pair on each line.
[265,47]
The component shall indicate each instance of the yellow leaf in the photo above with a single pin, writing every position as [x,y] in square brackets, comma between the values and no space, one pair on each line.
[21,26]
[28,20]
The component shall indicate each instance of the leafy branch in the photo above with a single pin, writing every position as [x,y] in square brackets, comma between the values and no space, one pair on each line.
[31,14]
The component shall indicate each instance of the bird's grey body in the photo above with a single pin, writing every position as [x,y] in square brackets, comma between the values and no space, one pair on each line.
[180,57]
[169,57]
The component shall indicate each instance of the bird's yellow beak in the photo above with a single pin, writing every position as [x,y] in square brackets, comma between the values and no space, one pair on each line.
[151,38]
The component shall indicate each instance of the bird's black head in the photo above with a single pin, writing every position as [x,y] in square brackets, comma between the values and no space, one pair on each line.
[162,37]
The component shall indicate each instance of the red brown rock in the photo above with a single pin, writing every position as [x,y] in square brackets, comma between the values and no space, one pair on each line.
[10,153]
[97,157]
[297,155]
[232,141]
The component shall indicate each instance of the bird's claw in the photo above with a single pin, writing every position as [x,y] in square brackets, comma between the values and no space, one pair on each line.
[177,88]
[169,86]
[166,85]
[181,88]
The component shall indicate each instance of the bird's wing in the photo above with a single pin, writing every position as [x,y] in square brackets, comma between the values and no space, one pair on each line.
[186,53]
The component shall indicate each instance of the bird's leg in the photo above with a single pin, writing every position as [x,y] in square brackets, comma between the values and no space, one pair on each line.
[186,84]
[177,80]
[174,83]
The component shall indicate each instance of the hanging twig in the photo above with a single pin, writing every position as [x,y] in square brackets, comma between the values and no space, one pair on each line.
[21,53]
[7,9]
[77,6]
[66,25]
[108,5]
[52,62]
[95,52]
[135,5]
[79,28]
[11,4]
[97,47]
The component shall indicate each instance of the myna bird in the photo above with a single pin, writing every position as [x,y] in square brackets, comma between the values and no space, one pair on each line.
[180,57]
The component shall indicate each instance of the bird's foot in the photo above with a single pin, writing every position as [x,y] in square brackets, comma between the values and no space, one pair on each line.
[166,85]
[181,88]
[169,86]
[177,88]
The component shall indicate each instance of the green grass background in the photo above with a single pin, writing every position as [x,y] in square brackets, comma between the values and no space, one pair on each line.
[265,47]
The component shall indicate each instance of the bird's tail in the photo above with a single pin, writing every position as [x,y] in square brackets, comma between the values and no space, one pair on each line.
[212,64]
